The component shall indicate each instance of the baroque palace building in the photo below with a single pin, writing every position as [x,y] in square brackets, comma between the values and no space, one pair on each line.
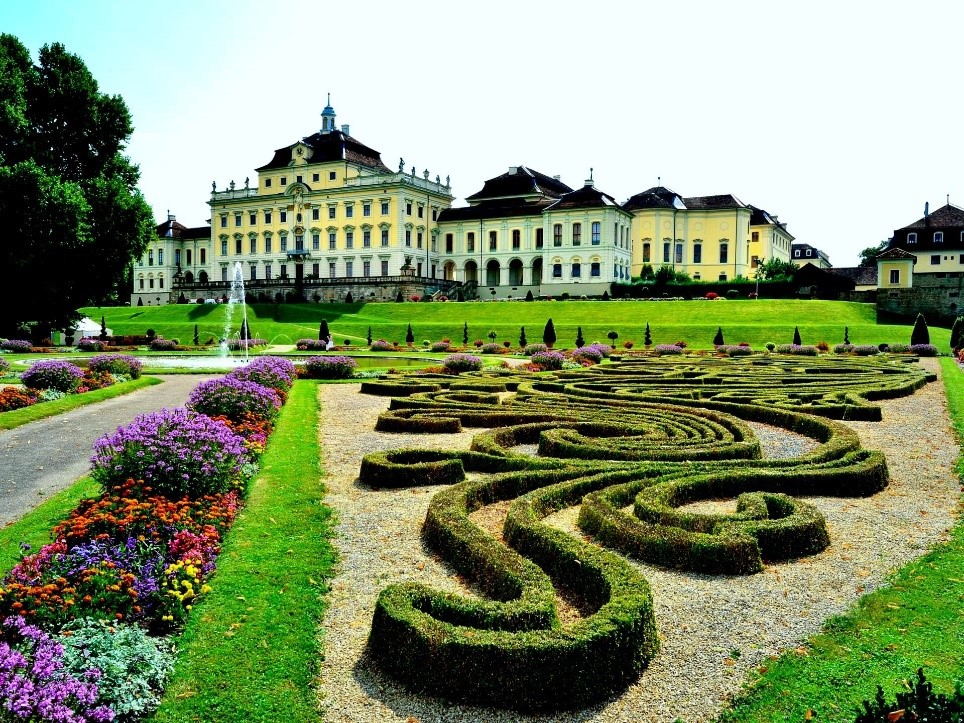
[326,218]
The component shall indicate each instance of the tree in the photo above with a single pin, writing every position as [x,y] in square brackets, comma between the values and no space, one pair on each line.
[197,341]
[718,339]
[348,298]
[605,295]
[492,336]
[323,333]
[579,340]
[465,333]
[368,338]
[103,328]
[846,335]
[409,336]
[957,331]
[796,336]
[399,298]
[68,195]
[612,338]
[529,296]
[776,269]
[920,334]
[868,257]
[647,337]
[549,334]
[522,338]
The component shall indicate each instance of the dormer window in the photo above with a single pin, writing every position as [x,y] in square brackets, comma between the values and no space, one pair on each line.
[912,238]
[809,252]
[938,237]
[796,253]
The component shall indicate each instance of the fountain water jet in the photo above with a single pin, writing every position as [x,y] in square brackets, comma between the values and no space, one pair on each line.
[236,297]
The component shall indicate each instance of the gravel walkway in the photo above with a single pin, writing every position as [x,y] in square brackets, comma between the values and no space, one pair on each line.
[46,456]
[713,630]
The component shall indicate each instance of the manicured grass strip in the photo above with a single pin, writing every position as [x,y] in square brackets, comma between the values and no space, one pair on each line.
[18,417]
[915,622]
[250,651]
[34,527]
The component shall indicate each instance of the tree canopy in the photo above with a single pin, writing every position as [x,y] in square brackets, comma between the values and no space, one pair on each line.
[868,257]
[73,217]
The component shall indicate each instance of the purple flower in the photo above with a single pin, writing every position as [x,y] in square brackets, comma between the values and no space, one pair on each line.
[330,367]
[462,363]
[116,364]
[53,374]
[176,452]
[268,371]
[548,360]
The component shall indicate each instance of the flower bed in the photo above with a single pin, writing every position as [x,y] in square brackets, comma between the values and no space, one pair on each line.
[381,345]
[4,367]
[796,349]
[667,349]
[140,554]
[457,363]
[330,367]
[238,344]
[548,360]
[60,375]
[116,364]
[19,346]
[311,345]
[89,344]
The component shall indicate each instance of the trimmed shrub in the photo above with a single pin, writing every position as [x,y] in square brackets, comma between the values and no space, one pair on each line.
[175,452]
[330,367]
[54,374]
[458,363]
[667,349]
[531,349]
[116,364]
[590,354]
[235,399]
[738,350]
[896,348]
[88,344]
[796,349]
[865,350]
[440,346]
[491,348]
[920,334]
[381,345]
[159,344]
[846,349]
[311,344]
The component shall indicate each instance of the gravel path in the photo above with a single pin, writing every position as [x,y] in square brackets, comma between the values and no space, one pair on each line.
[713,630]
[46,456]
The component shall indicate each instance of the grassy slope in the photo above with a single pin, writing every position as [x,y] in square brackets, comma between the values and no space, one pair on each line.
[695,322]
[18,417]
[915,622]
[250,651]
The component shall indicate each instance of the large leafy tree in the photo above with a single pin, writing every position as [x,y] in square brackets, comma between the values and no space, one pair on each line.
[69,205]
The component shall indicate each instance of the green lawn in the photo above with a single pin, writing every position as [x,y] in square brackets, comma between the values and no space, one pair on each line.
[753,321]
[18,417]
[250,651]
[917,621]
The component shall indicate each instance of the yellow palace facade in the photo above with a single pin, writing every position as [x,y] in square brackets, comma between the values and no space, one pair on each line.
[325,217]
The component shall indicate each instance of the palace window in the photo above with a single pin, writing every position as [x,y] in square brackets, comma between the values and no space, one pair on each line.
[539,240]
[666,252]
[679,253]
[224,222]
[349,268]
[384,208]
[449,243]
[224,247]
[938,237]
[252,219]
[332,269]
[434,218]
[408,237]
[594,269]
[421,211]
[384,267]
[366,238]
[516,239]
[912,238]
[204,257]
[187,255]
[315,241]
[493,240]
[366,209]
[150,257]
[283,216]
[254,272]
[366,268]
[237,246]
[935,259]
[267,244]
[332,175]
[284,244]
[332,211]
[267,183]
[267,271]
[576,270]
[408,208]
[557,234]
[253,246]
[647,254]
[576,234]
[724,255]
[557,271]
[470,242]
[697,253]
[349,210]
[597,232]
[755,236]
[894,276]
[141,282]
[349,239]
[332,240]
[267,216]
[283,268]
[315,178]
[299,242]
[316,268]
[284,180]
[299,179]
[315,214]
[418,239]
[160,281]
[237,220]
[384,237]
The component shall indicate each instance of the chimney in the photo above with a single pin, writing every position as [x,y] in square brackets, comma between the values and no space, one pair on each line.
[557,177]
[170,217]
[344,129]
[927,213]
[513,170]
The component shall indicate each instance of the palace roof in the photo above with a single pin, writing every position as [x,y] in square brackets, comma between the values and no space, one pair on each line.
[945,217]
[331,146]
[520,181]
[586,197]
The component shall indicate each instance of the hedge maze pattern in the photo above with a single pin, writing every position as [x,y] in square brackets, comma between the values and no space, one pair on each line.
[631,444]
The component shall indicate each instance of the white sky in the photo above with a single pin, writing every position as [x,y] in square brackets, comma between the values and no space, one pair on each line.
[841,117]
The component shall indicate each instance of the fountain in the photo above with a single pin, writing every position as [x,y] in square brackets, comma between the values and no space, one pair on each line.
[236,297]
